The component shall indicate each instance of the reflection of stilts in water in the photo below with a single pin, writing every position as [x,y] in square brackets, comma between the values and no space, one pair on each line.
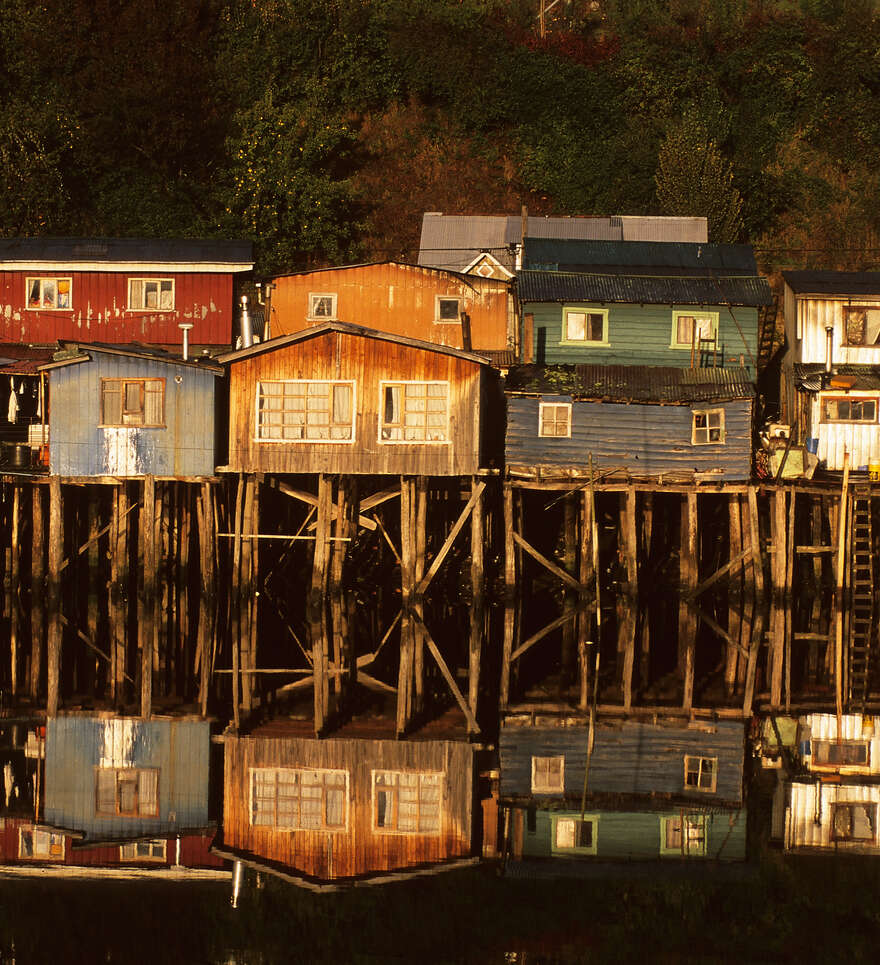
[8,783]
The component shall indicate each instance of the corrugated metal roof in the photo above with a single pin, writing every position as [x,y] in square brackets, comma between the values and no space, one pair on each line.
[172,250]
[557,286]
[810,377]
[72,352]
[631,383]
[841,283]
[638,257]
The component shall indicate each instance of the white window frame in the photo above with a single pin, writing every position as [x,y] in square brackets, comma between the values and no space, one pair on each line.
[575,819]
[299,772]
[438,320]
[144,281]
[437,779]
[127,773]
[46,839]
[546,788]
[707,429]
[129,851]
[687,820]
[542,406]
[41,281]
[314,299]
[311,442]
[584,342]
[694,764]
[383,385]
[711,317]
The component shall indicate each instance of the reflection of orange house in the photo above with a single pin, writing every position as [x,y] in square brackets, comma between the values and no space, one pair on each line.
[426,303]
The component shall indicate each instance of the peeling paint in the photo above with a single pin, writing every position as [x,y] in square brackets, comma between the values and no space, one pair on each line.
[204,312]
[212,306]
[7,311]
[121,452]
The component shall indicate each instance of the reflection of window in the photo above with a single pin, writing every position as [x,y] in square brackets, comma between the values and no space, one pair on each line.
[832,753]
[447,309]
[127,791]
[299,799]
[575,834]
[406,802]
[49,292]
[700,773]
[584,326]
[708,427]
[849,410]
[143,850]
[414,412]
[132,402]
[861,325]
[40,845]
[853,821]
[322,306]
[548,775]
[554,419]
[305,411]
[689,328]
[150,294]
[684,835]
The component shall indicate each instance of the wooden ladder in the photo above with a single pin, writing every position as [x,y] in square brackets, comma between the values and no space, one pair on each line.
[767,334]
[861,600]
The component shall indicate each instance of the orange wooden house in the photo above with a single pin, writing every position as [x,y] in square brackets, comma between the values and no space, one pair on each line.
[448,308]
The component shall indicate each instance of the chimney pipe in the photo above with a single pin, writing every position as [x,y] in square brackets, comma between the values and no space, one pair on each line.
[185,328]
[247,335]
[829,348]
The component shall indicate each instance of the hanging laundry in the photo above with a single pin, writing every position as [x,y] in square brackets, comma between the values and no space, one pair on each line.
[12,412]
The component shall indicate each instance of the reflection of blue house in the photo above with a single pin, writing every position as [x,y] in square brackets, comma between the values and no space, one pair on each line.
[130,411]
[113,778]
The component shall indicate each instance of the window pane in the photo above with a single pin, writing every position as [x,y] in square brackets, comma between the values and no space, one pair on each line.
[48,293]
[575,326]
[449,311]
[565,833]
[34,294]
[596,326]
[148,786]
[685,330]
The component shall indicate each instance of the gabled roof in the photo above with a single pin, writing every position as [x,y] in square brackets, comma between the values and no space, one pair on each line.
[126,254]
[839,283]
[558,286]
[461,276]
[865,378]
[631,383]
[72,353]
[638,257]
[346,328]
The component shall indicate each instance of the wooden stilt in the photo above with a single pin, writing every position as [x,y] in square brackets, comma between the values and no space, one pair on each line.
[407,581]
[477,618]
[817,625]
[757,623]
[631,601]
[734,595]
[207,597]
[235,603]
[53,595]
[510,596]
[419,510]
[38,589]
[147,630]
[185,646]
[647,521]
[315,611]
[777,596]
[569,598]
[245,596]
[337,610]
[789,572]
[93,579]
[586,577]
[687,619]
[14,576]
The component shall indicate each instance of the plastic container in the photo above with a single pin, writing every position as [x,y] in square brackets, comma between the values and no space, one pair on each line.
[813,445]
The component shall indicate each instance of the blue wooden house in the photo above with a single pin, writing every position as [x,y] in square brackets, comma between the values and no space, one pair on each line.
[654,788]
[130,411]
[639,420]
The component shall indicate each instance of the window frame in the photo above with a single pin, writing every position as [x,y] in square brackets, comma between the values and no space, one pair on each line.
[332,383]
[708,413]
[315,297]
[440,778]
[861,399]
[548,788]
[438,318]
[46,855]
[584,342]
[144,280]
[847,310]
[123,382]
[324,827]
[576,819]
[118,811]
[700,760]
[818,765]
[386,383]
[667,850]
[130,846]
[714,324]
[557,405]
[30,279]
[870,806]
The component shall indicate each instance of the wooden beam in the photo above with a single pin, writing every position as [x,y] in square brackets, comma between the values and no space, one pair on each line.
[631,600]
[407,579]
[315,613]
[535,637]
[53,596]
[687,624]
[758,588]
[777,597]
[147,596]
[716,628]
[557,571]
[38,590]
[743,558]
[450,539]
[477,616]
[311,500]
[510,597]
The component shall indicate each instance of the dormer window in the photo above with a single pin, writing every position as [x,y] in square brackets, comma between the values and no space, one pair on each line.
[322,306]
[861,325]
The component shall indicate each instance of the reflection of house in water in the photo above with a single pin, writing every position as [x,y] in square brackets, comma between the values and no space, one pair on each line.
[20,752]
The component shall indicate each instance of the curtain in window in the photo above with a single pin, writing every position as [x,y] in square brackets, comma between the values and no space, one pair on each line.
[153,398]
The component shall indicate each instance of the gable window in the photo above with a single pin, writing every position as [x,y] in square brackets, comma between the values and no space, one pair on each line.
[683,835]
[708,427]
[414,412]
[575,834]
[700,773]
[49,293]
[133,402]
[848,409]
[554,419]
[447,309]
[861,325]
[832,753]
[150,294]
[690,328]
[154,850]
[305,411]
[584,326]
[853,821]
[406,802]
[322,306]
[40,845]
[122,791]
[548,775]
[296,799]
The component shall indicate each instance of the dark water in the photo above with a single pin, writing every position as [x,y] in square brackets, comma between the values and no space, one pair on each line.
[813,910]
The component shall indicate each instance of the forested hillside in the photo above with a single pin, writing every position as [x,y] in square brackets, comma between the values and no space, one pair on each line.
[322,129]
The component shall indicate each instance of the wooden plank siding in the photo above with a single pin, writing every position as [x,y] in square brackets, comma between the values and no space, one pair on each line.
[367,361]
[400,299]
[358,849]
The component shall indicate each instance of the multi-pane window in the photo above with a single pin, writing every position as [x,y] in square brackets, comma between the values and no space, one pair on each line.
[832,753]
[414,412]
[575,834]
[708,427]
[297,799]
[49,293]
[305,411]
[861,325]
[447,309]
[407,802]
[150,294]
[581,325]
[700,773]
[554,419]
[153,850]
[548,775]
[126,791]
[322,306]
[690,328]
[684,834]
[40,845]
[853,821]
[133,402]
[848,409]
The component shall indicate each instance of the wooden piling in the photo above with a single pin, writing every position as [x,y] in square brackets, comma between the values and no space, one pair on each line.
[14,576]
[687,620]
[53,594]
[38,589]
[777,595]
[477,618]
[510,595]
[317,595]
[147,630]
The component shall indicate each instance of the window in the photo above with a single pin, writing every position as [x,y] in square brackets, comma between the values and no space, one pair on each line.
[575,834]
[40,845]
[554,419]
[447,309]
[585,326]
[414,412]
[708,427]
[688,328]
[853,821]
[700,773]
[150,294]
[299,799]
[831,753]
[861,325]
[153,850]
[49,293]
[849,410]
[322,306]
[127,791]
[133,402]
[683,835]
[406,802]
[305,411]
[548,775]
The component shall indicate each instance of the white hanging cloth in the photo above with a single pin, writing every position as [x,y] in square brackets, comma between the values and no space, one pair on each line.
[12,413]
